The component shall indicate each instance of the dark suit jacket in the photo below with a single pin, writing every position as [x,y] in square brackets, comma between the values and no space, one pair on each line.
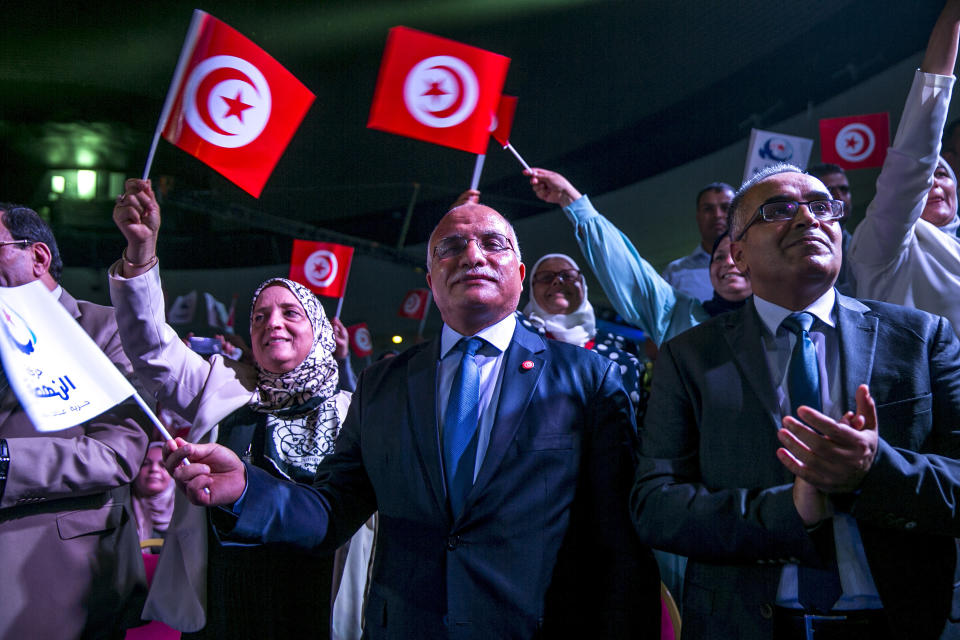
[68,540]
[544,546]
[709,484]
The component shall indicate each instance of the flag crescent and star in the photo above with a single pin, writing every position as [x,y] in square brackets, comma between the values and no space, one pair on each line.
[412,304]
[321,268]
[855,142]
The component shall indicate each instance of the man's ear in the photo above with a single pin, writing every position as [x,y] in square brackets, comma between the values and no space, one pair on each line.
[42,257]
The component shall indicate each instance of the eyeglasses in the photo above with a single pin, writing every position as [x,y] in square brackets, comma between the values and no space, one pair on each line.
[822,210]
[22,243]
[546,277]
[488,243]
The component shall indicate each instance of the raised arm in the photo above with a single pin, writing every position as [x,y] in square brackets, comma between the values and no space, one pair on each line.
[941,54]
[634,287]
[880,241]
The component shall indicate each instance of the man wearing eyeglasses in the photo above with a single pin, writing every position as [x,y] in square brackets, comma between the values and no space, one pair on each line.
[67,531]
[499,461]
[802,451]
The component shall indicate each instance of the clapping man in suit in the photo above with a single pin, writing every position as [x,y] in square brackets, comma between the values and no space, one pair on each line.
[802,450]
[500,464]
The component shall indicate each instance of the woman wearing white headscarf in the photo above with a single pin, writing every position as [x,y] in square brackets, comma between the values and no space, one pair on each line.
[282,414]
[559,306]
[906,249]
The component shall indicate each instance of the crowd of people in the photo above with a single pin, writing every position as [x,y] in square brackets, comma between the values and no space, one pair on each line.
[795,472]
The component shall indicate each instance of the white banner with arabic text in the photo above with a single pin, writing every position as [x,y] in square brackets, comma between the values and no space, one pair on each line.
[59,374]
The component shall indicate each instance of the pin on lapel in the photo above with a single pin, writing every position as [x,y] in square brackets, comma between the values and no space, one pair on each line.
[526,365]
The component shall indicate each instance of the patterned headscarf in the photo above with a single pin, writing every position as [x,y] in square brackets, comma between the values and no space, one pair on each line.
[314,378]
[302,423]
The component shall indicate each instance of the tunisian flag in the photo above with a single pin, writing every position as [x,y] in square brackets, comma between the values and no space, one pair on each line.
[855,142]
[437,90]
[360,339]
[414,304]
[503,120]
[322,267]
[231,105]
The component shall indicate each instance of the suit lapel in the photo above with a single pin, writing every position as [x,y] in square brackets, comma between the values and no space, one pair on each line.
[743,332]
[422,403]
[857,332]
[517,386]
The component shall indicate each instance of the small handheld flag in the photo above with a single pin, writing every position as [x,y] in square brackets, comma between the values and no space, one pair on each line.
[322,267]
[437,90]
[855,142]
[230,104]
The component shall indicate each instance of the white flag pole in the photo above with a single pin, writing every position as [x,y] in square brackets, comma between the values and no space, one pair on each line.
[153,417]
[477,170]
[185,54]
[516,155]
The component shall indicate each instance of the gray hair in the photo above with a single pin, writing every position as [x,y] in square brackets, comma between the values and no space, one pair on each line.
[736,216]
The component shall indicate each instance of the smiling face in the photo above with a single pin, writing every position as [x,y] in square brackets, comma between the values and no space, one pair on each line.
[790,262]
[280,331]
[941,203]
[152,478]
[474,290]
[726,277]
[557,296]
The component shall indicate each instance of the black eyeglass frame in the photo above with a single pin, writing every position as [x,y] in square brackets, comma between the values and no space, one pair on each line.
[761,213]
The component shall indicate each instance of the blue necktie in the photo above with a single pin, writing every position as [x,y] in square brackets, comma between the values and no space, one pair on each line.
[817,589]
[460,425]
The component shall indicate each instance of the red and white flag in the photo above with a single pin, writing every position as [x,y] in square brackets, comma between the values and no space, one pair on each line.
[437,90]
[360,339]
[414,304]
[231,105]
[855,142]
[503,119]
[322,267]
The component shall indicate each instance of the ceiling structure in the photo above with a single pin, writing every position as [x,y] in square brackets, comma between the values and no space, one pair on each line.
[612,93]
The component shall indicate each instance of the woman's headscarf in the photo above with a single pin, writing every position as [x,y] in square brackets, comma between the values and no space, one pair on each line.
[577,327]
[153,512]
[302,422]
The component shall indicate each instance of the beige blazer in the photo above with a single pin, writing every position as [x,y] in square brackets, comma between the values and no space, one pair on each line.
[71,559]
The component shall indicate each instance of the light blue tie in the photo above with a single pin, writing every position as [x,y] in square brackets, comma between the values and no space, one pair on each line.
[817,589]
[460,425]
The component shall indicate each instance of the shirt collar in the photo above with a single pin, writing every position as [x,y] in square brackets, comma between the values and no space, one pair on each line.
[772,314]
[499,335]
